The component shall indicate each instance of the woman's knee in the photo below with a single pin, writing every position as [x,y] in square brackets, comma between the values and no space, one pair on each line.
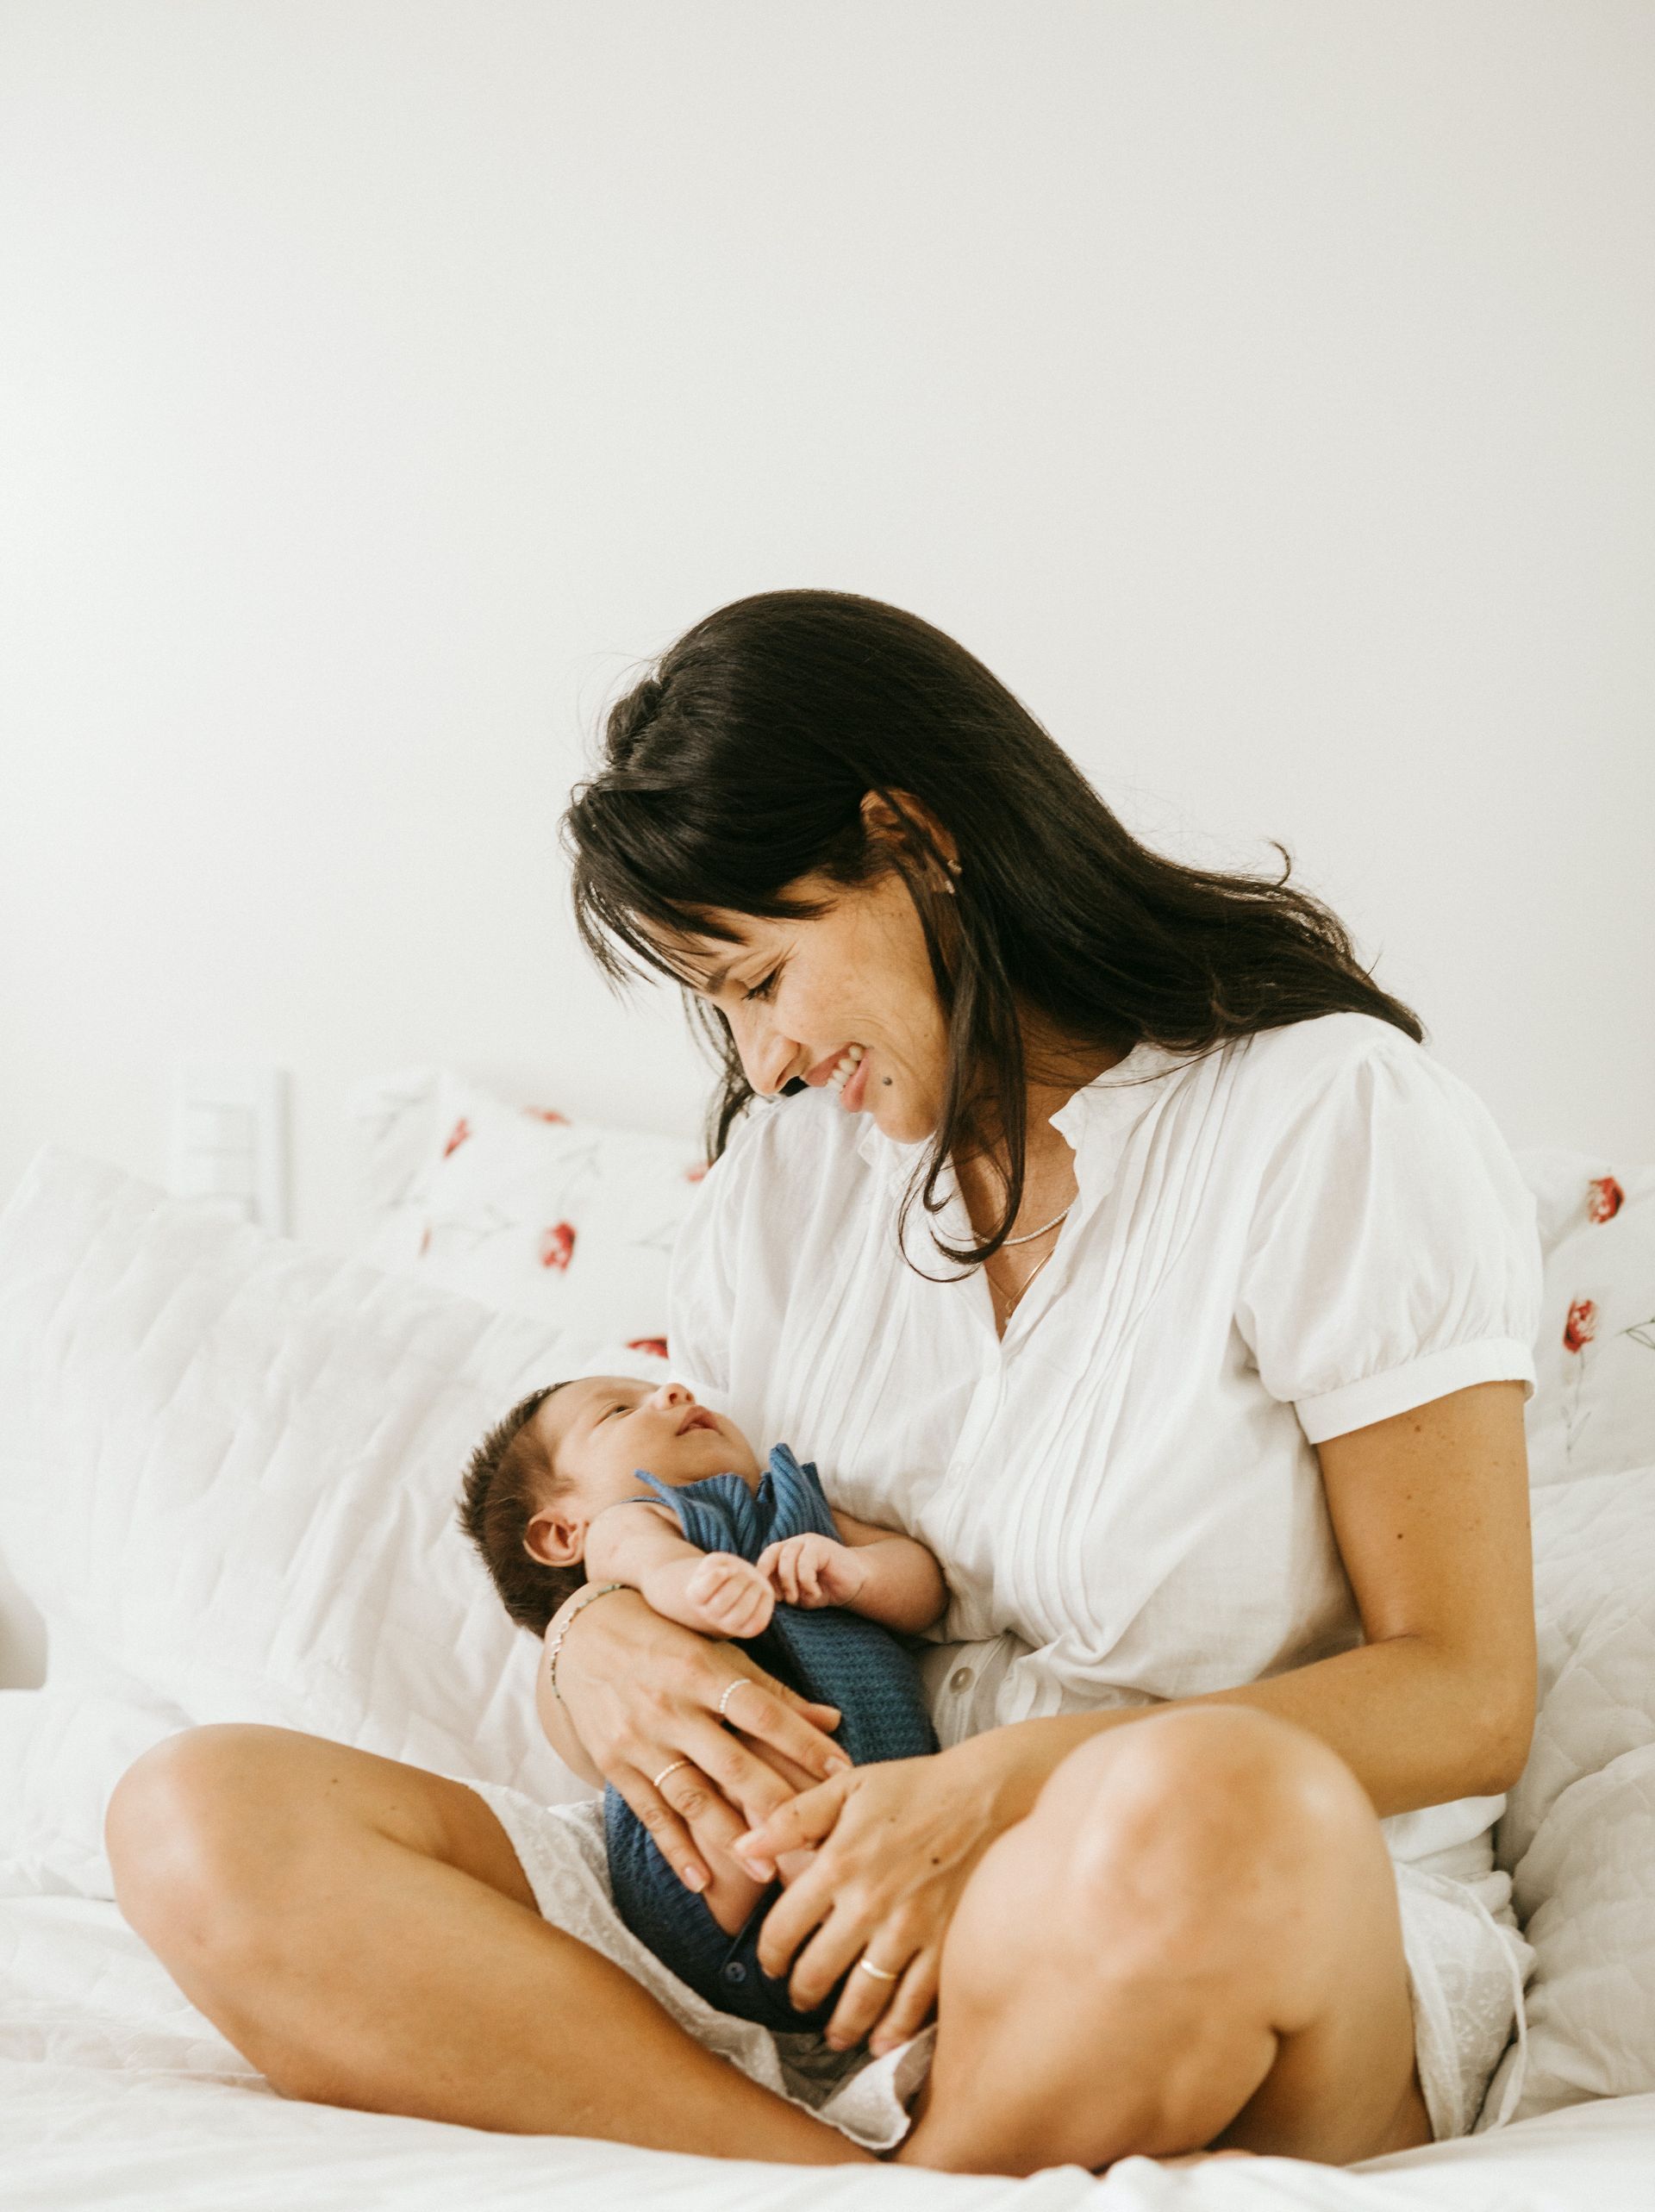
[198,1831]
[214,1834]
[1199,1820]
[180,1822]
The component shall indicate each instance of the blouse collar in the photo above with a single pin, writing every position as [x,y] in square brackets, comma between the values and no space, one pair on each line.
[1096,1120]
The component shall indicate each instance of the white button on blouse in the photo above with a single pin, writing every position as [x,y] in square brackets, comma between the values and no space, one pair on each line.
[1284,1239]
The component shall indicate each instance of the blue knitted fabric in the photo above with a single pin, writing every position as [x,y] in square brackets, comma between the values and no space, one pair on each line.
[825,1653]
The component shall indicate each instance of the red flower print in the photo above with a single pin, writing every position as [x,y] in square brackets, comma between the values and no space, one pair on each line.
[694,1174]
[1580,1326]
[545,1114]
[557,1245]
[655,1344]
[462,1130]
[1604,1199]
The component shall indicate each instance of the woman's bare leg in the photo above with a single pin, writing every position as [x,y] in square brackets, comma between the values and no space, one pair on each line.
[363,1933]
[1193,1939]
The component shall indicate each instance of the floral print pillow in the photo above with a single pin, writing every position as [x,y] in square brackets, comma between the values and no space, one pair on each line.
[522,1207]
[1593,1411]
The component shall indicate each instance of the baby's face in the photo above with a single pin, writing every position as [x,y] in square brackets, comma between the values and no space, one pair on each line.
[599,1431]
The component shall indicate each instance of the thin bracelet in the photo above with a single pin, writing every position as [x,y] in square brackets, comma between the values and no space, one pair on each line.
[570,1619]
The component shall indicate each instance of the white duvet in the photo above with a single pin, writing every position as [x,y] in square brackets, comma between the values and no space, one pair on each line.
[225,1475]
[115,2092]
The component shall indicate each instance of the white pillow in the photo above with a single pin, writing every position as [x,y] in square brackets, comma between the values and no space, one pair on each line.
[229,1467]
[1593,1409]
[1595,1610]
[1578,1832]
[61,1752]
[519,1206]
[1586,1891]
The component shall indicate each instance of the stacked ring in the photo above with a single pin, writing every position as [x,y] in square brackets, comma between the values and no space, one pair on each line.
[666,1771]
[879,1973]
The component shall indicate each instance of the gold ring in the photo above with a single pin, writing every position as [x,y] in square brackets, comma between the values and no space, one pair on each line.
[878,1972]
[666,1771]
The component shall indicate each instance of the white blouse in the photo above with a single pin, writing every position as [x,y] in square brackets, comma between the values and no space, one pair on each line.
[1292,1235]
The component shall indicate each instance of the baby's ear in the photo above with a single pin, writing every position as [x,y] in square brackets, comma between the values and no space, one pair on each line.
[555,1539]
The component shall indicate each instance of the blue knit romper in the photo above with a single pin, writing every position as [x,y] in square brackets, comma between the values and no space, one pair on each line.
[827,1654]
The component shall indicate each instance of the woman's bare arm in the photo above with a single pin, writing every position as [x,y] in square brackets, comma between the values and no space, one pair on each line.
[1430,1513]
[555,1723]
[1430,1509]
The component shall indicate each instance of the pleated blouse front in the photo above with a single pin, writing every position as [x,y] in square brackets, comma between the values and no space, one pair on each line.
[1289,1236]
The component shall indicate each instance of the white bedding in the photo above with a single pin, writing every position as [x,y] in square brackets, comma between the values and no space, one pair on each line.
[114,2091]
[215,1398]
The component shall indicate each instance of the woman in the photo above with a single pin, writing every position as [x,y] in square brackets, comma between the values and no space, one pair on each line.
[1132,1254]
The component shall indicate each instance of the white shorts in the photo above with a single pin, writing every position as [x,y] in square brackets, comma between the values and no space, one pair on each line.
[1466,1961]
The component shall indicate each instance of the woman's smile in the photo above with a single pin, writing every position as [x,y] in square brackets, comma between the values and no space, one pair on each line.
[842,1072]
[854,1082]
[825,1069]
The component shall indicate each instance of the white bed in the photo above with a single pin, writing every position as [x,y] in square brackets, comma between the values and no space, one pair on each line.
[114,2093]
[199,1429]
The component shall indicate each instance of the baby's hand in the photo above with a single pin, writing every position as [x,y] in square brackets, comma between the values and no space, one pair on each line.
[719,1594]
[814,1571]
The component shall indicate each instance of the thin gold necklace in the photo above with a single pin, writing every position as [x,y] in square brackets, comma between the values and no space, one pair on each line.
[1015,1297]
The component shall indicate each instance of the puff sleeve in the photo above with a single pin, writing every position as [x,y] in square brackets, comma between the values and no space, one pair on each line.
[1393,1256]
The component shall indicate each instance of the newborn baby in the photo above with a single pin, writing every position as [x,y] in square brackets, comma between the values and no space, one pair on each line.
[607,1480]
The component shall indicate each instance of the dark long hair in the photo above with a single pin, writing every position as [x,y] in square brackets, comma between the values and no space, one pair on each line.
[740,765]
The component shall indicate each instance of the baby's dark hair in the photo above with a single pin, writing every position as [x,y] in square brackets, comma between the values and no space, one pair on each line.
[509,1478]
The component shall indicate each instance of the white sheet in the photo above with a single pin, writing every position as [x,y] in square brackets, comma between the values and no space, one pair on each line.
[115,2093]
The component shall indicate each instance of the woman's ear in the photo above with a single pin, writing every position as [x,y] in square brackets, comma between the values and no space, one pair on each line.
[881,820]
[556,1537]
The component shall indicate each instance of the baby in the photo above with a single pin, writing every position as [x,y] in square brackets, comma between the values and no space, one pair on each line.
[607,1480]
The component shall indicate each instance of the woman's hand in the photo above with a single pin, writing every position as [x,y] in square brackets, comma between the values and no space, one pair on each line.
[644,1696]
[894,1845]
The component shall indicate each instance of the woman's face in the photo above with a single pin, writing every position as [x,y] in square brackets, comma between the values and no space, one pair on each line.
[798,993]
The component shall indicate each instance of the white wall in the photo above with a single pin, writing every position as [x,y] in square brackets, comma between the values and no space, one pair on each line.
[1264,390]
